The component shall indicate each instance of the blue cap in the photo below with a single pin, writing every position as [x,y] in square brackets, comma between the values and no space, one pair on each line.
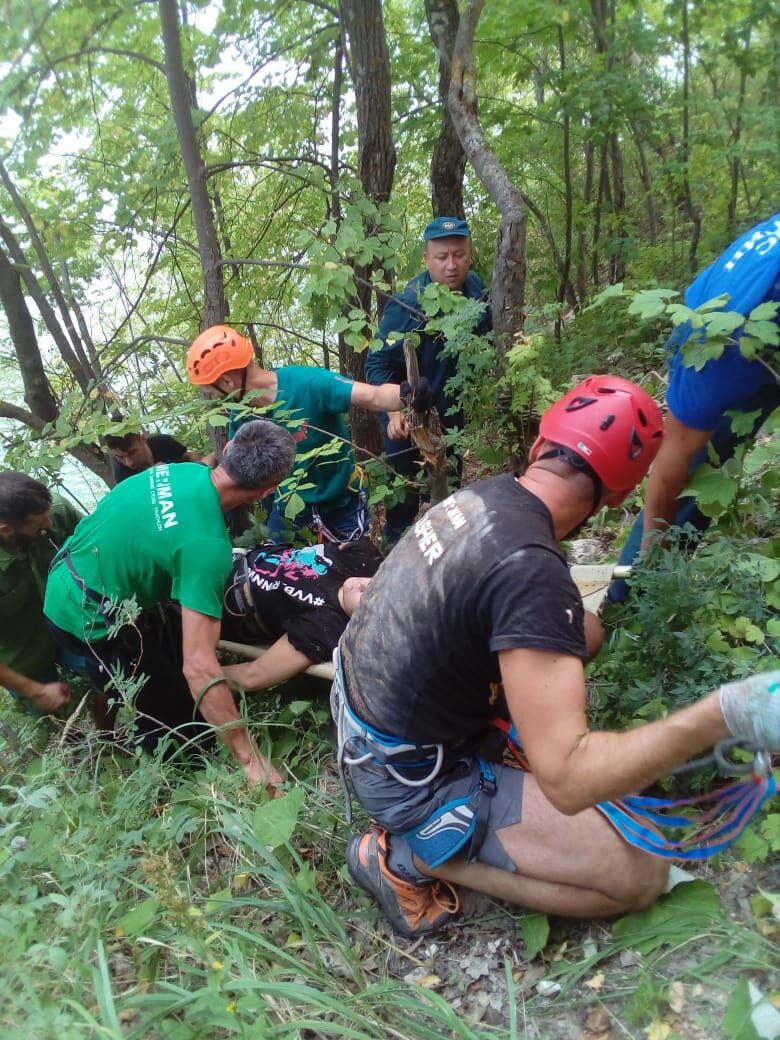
[446,227]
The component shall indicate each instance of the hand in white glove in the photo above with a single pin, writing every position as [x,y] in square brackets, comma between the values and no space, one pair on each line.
[751,709]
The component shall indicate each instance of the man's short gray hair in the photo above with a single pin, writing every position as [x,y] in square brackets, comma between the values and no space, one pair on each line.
[261,454]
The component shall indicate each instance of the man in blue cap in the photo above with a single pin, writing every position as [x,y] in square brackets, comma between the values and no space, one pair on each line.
[748,273]
[448,261]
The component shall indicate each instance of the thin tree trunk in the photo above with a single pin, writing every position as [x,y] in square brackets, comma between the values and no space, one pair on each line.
[564,284]
[448,162]
[508,285]
[48,270]
[582,243]
[692,212]
[646,181]
[182,94]
[38,394]
[369,63]
[46,311]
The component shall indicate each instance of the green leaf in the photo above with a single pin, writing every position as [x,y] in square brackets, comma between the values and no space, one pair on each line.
[535,931]
[139,918]
[676,917]
[742,422]
[274,822]
[737,1023]
[711,486]
[723,323]
[294,506]
[766,311]
[609,293]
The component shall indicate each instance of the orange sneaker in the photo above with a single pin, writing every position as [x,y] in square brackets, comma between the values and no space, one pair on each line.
[411,910]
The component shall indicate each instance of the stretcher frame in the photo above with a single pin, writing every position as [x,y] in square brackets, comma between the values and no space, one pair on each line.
[592,579]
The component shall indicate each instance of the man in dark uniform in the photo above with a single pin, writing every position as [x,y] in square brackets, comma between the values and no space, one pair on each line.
[448,262]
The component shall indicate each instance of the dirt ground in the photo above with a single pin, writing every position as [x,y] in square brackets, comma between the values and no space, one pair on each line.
[660,997]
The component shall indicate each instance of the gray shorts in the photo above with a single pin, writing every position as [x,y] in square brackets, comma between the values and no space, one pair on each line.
[456,812]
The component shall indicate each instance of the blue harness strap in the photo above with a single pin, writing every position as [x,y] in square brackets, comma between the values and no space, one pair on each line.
[456,823]
[716,821]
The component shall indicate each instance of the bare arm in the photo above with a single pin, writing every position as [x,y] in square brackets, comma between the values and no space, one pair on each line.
[384,398]
[46,697]
[281,661]
[577,768]
[199,642]
[669,474]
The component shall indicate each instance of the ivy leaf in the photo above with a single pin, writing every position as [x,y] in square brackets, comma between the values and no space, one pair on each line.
[742,422]
[696,354]
[712,486]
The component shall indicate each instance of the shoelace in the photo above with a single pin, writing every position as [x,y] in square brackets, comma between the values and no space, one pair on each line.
[417,900]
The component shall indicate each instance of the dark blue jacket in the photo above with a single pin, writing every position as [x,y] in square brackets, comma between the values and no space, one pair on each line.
[402,314]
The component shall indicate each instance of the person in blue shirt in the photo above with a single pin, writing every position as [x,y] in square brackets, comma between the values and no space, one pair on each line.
[448,261]
[748,272]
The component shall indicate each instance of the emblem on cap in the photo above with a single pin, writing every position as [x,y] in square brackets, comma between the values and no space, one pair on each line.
[448,225]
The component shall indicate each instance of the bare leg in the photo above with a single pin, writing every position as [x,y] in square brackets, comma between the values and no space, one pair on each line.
[594,635]
[574,866]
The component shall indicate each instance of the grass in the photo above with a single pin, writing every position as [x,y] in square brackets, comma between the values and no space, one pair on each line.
[150,900]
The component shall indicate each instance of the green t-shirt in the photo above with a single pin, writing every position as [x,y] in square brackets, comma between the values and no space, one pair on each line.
[320,398]
[25,642]
[158,535]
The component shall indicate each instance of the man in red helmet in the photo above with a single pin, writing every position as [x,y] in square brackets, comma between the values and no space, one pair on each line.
[475,617]
[312,403]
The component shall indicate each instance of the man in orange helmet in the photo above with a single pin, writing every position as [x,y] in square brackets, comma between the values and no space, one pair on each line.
[312,403]
[496,629]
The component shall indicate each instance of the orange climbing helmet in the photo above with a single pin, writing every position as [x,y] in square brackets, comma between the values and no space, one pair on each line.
[613,425]
[217,350]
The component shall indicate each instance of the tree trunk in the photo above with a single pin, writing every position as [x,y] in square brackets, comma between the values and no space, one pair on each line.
[369,64]
[508,285]
[692,212]
[448,162]
[564,284]
[38,393]
[182,93]
[582,244]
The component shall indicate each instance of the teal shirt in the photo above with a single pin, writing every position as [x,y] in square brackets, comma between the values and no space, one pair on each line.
[306,398]
[158,535]
[25,642]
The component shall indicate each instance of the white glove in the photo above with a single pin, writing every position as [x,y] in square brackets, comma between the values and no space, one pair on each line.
[751,709]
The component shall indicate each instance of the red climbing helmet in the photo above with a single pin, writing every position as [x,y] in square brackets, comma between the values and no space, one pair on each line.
[217,350]
[612,424]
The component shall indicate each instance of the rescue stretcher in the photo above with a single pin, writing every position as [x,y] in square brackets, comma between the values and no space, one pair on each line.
[592,579]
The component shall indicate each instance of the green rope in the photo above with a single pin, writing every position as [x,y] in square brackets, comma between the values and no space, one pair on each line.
[236,686]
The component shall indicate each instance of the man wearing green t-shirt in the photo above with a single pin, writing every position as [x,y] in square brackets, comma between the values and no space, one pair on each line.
[160,535]
[33,525]
[312,402]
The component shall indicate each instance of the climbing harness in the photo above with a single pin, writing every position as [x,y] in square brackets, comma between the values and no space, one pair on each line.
[324,533]
[445,831]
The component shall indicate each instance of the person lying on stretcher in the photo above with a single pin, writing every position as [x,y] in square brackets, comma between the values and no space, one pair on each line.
[295,601]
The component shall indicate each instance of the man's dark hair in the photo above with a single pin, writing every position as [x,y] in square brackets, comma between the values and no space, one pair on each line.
[119,443]
[261,454]
[20,497]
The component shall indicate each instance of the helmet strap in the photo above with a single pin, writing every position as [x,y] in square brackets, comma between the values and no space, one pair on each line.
[583,466]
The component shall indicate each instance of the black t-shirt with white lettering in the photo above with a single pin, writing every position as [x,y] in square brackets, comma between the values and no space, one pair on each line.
[276,589]
[479,573]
